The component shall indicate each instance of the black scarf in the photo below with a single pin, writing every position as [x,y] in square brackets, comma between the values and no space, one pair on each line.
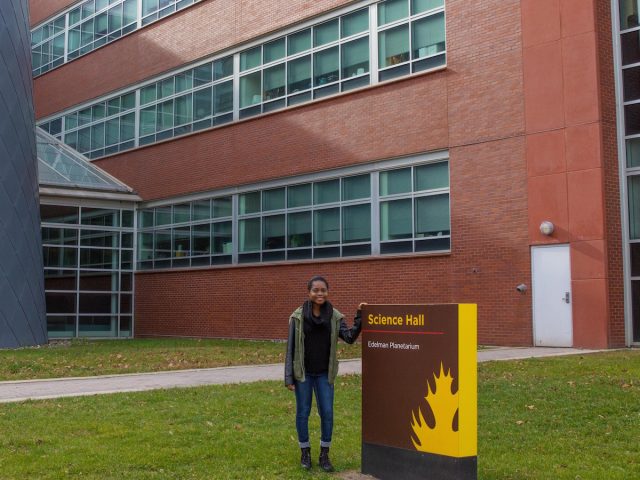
[326,312]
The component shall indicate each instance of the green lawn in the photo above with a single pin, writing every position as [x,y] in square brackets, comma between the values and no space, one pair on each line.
[81,358]
[575,417]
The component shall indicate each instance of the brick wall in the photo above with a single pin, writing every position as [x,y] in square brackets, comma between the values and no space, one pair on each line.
[40,10]
[474,108]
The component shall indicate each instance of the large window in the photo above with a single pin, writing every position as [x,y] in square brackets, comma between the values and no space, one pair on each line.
[359,47]
[88,271]
[91,24]
[381,211]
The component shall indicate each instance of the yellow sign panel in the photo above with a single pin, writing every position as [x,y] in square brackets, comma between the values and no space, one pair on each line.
[420,389]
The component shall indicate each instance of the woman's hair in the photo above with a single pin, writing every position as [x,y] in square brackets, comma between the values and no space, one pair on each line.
[317,278]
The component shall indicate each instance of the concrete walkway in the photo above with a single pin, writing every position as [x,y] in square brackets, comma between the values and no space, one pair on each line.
[71,387]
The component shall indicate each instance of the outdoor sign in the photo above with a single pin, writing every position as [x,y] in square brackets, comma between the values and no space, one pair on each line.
[419,391]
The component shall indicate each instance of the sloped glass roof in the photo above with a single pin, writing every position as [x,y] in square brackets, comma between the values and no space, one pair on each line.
[61,166]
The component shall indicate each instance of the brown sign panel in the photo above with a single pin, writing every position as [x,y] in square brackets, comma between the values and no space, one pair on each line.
[412,399]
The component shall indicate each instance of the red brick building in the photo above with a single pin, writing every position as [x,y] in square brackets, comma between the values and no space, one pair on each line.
[408,150]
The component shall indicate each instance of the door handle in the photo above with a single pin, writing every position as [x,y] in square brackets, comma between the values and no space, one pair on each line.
[567,297]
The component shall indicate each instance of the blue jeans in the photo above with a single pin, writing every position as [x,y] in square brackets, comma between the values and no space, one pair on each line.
[318,384]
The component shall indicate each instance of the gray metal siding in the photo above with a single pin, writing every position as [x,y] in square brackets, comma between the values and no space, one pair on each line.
[22,302]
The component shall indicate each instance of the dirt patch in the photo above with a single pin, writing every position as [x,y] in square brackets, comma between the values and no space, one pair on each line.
[353,475]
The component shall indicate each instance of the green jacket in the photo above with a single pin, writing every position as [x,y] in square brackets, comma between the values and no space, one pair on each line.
[294,363]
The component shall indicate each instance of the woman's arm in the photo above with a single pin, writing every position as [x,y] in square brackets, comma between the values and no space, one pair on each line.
[350,335]
[288,364]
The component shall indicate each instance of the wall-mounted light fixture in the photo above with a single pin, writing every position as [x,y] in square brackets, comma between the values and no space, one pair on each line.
[546,228]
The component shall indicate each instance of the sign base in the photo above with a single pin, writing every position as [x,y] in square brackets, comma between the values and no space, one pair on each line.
[384,463]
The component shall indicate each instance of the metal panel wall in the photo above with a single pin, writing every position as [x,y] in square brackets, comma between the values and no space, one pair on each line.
[22,303]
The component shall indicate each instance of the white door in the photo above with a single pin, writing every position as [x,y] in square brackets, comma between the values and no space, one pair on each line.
[551,276]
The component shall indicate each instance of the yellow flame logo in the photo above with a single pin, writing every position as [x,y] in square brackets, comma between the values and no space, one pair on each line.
[441,439]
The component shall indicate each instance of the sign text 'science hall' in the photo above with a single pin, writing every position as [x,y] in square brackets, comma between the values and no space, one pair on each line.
[419,391]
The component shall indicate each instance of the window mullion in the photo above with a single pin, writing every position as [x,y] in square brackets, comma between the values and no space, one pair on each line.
[136,121]
[375,214]
[235,233]
[236,87]
[373,43]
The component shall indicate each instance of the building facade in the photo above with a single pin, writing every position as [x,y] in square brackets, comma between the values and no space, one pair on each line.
[412,151]
[22,302]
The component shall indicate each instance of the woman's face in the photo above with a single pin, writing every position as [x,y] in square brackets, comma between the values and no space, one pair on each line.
[318,293]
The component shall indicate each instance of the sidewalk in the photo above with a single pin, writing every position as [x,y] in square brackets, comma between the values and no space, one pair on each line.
[18,391]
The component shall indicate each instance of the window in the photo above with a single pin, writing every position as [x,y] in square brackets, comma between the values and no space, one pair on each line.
[329,217]
[90,25]
[88,270]
[336,55]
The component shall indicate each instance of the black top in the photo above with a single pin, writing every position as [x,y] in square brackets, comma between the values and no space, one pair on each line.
[317,344]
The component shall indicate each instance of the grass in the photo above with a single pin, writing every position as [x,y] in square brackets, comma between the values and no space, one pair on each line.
[565,418]
[81,358]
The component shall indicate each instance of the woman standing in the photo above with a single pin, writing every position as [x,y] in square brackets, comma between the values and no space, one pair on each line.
[311,365]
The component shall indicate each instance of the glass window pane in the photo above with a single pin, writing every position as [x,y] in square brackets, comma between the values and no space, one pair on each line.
[326,226]
[326,192]
[201,210]
[630,47]
[145,246]
[58,214]
[223,97]
[355,22]
[97,136]
[326,33]
[392,10]
[326,66]
[395,220]
[128,101]
[202,103]
[355,57]
[130,11]
[299,229]
[184,81]
[299,195]
[428,36]
[165,115]
[249,203]
[183,111]
[418,6]
[628,14]
[631,83]
[632,118]
[201,239]
[99,216]
[148,94]
[163,215]
[223,68]
[634,207]
[356,187]
[393,46]
[251,58]
[182,242]
[274,50]
[182,213]
[222,207]
[249,235]
[127,127]
[395,181]
[55,279]
[222,238]
[633,152]
[274,82]
[356,223]
[432,176]
[162,244]
[273,232]
[299,42]
[166,87]
[299,74]
[432,216]
[148,120]
[273,199]
[115,18]
[202,74]
[250,89]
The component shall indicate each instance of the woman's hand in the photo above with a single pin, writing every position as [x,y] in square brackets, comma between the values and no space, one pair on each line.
[291,387]
[361,305]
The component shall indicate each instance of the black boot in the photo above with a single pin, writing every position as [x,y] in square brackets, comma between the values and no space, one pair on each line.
[305,458]
[325,463]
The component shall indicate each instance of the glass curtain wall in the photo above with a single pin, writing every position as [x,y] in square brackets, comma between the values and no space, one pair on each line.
[88,270]
[327,58]
[91,24]
[630,97]
[404,210]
